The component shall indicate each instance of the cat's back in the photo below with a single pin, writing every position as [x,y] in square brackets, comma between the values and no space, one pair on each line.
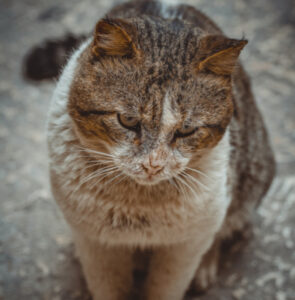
[165,10]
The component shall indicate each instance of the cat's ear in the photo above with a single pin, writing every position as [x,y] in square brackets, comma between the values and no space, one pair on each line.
[114,37]
[219,54]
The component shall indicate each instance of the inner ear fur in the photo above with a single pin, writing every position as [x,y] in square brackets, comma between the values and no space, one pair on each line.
[219,54]
[114,37]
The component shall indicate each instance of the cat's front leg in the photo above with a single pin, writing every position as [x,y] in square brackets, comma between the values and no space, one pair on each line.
[108,270]
[207,271]
[172,269]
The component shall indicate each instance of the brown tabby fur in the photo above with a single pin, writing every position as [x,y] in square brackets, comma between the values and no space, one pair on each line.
[175,76]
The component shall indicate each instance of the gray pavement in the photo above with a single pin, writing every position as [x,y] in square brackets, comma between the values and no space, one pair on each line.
[36,253]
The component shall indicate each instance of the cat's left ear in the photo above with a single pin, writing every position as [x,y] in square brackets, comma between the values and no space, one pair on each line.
[219,54]
[114,37]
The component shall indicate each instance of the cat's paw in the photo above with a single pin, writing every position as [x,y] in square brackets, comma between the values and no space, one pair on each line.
[206,274]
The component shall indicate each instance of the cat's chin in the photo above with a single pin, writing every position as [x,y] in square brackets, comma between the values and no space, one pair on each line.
[148,181]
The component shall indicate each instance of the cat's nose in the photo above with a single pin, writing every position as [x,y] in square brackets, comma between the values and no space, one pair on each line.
[152,168]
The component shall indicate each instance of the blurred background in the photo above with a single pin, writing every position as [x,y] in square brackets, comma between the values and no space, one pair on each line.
[36,253]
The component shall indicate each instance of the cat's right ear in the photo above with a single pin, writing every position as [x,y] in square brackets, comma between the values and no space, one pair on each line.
[114,37]
[219,54]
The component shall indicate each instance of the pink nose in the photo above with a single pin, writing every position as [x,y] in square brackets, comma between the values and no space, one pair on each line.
[152,168]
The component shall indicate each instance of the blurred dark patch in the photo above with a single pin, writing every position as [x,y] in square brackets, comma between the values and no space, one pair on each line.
[46,60]
[233,247]
[286,12]
[51,13]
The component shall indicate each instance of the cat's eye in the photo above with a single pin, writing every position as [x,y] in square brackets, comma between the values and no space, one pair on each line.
[185,131]
[129,122]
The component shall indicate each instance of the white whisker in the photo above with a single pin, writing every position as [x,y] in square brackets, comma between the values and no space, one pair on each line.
[103,159]
[198,172]
[183,188]
[103,176]
[195,180]
[123,177]
[97,173]
[92,165]
[186,183]
[112,179]
[94,151]
[175,185]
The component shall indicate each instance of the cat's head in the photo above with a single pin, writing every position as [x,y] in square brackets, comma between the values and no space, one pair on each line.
[153,94]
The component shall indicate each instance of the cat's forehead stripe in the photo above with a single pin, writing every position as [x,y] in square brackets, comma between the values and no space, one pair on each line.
[168,117]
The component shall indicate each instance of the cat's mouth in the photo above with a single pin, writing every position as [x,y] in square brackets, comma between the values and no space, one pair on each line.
[148,180]
[142,177]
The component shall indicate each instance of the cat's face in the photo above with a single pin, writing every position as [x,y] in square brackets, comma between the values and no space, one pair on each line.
[153,110]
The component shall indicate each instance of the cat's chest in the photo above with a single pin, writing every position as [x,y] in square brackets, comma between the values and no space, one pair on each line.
[119,222]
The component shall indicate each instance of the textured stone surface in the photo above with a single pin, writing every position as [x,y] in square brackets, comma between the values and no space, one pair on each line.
[36,252]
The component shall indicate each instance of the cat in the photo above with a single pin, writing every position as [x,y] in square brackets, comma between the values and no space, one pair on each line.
[156,146]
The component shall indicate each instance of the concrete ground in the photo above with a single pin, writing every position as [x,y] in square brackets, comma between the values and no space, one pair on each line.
[36,251]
